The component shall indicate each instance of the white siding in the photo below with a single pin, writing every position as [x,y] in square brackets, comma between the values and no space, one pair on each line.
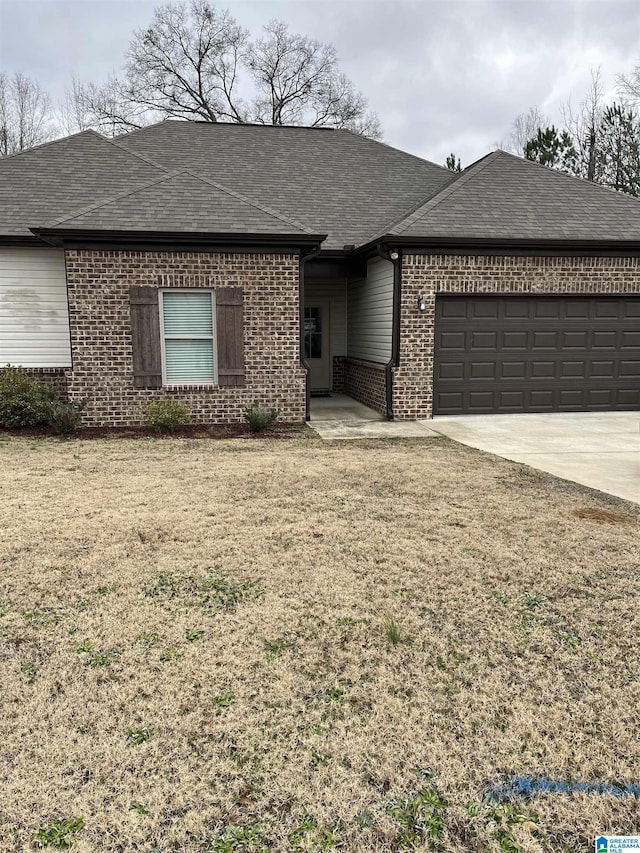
[335,292]
[34,318]
[370,313]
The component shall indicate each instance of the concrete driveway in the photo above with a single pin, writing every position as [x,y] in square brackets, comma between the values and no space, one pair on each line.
[600,450]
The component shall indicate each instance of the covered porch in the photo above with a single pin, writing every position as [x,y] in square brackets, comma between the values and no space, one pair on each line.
[348,321]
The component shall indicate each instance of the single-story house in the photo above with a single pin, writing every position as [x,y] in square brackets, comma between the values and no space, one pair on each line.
[220,264]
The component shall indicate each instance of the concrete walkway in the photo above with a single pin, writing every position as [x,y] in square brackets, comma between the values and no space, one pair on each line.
[600,450]
[341,417]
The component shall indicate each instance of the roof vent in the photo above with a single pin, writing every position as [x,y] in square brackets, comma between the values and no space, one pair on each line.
[349,247]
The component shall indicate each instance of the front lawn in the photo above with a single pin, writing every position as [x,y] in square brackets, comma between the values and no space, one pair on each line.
[298,646]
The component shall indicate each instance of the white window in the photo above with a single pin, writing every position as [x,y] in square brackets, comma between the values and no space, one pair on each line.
[187,319]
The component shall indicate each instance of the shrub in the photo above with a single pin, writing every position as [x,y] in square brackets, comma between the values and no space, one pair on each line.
[23,400]
[65,416]
[259,417]
[165,415]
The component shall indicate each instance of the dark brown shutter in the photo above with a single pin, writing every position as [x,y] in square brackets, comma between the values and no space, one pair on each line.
[145,337]
[230,332]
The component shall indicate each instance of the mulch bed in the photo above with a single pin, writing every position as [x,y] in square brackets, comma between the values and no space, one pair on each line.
[216,431]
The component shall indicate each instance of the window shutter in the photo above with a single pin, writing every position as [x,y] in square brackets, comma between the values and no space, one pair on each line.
[145,337]
[230,332]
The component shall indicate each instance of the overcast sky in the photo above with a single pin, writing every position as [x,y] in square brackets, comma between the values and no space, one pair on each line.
[443,75]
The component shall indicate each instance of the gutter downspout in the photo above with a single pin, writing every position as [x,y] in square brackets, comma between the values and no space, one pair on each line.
[395,257]
[303,260]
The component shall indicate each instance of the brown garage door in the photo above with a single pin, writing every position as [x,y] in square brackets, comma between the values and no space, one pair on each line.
[536,354]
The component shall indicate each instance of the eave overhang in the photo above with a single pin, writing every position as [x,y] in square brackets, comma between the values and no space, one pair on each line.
[163,240]
[502,246]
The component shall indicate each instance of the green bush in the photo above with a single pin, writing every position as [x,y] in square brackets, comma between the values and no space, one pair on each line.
[65,416]
[165,415]
[259,417]
[23,400]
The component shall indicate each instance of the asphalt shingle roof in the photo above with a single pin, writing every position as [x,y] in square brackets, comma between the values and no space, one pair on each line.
[332,180]
[506,197]
[234,179]
[180,202]
[39,185]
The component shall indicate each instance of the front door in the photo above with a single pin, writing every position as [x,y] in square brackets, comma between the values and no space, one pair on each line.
[317,346]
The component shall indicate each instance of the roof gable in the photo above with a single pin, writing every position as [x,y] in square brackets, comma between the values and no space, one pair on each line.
[179,202]
[507,197]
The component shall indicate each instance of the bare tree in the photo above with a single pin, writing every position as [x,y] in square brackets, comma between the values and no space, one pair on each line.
[189,63]
[298,82]
[629,86]
[524,128]
[585,128]
[25,114]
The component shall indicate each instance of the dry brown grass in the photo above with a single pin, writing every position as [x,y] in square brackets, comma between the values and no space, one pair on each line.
[284,702]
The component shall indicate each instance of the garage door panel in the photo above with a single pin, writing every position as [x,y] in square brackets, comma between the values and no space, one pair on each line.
[451,370]
[605,340]
[514,308]
[577,309]
[484,340]
[602,369]
[481,400]
[545,340]
[606,309]
[514,370]
[483,370]
[630,340]
[542,369]
[629,398]
[452,341]
[515,340]
[573,370]
[546,309]
[569,398]
[511,400]
[630,369]
[540,400]
[599,398]
[536,353]
[485,309]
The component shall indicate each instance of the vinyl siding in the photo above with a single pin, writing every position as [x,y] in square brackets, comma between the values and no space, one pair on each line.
[370,313]
[34,318]
[335,292]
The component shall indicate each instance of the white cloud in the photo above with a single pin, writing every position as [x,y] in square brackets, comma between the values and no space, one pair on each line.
[442,74]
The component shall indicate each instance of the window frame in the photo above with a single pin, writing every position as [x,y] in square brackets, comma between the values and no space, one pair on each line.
[213,337]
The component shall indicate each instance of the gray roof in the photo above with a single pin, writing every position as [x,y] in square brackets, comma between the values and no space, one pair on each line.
[506,197]
[180,202]
[332,180]
[183,177]
[39,185]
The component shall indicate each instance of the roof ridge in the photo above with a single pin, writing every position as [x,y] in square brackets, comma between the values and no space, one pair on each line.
[463,178]
[53,142]
[247,200]
[103,202]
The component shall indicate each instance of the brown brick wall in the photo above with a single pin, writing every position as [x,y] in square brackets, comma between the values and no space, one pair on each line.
[337,378]
[56,377]
[98,288]
[365,381]
[431,274]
